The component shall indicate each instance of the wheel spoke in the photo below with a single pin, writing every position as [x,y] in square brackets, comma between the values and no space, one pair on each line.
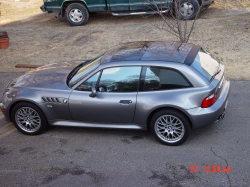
[78,13]
[33,124]
[177,123]
[177,133]
[21,114]
[36,122]
[20,117]
[173,135]
[164,120]
[29,111]
[77,18]
[178,128]
[171,120]
[160,127]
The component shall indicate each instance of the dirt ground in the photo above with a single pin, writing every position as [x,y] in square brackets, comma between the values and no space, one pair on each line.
[40,38]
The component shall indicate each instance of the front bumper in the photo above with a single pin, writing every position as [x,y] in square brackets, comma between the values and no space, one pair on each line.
[2,106]
[207,3]
[43,8]
[204,116]
[3,110]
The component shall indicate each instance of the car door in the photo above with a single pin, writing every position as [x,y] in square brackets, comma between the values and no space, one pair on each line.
[148,5]
[118,5]
[115,99]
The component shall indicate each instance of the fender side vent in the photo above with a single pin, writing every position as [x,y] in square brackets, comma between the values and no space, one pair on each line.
[52,100]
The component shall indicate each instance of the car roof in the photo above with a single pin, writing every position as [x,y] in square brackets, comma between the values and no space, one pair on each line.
[152,51]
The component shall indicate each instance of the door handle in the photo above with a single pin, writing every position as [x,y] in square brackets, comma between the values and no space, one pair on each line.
[125,101]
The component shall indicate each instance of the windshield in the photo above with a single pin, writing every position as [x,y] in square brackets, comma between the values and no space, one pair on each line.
[205,64]
[83,71]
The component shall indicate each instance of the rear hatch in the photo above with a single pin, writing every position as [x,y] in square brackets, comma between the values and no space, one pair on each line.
[212,70]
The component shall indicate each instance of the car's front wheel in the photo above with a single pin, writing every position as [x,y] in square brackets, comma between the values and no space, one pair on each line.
[187,9]
[28,118]
[77,14]
[170,127]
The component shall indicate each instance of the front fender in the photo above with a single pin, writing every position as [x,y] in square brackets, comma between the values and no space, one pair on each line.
[52,110]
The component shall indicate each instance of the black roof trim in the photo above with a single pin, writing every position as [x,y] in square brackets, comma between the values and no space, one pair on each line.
[192,54]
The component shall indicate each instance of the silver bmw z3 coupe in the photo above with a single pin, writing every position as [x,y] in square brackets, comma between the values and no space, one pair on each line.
[166,87]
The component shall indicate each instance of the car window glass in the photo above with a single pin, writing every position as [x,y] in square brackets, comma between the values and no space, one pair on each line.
[119,79]
[163,79]
[205,65]
[88,84]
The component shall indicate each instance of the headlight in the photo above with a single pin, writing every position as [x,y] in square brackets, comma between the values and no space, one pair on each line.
[10,84]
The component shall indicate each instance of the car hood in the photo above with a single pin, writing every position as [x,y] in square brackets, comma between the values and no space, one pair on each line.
[52,76]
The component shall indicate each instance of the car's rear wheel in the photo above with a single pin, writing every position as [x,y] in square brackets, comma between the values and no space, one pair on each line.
[77,14]
[28,118]
[170,127]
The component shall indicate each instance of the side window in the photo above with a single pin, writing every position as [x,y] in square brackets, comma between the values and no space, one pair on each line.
[119,79]
[163,79]
[88,84]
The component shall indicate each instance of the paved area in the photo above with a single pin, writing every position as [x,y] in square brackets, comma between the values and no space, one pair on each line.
[95,157]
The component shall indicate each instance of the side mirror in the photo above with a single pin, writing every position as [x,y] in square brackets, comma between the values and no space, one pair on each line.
[93,92]
[102,88]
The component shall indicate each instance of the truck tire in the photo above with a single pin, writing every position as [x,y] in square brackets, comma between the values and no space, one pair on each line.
[188,9]
[77,14]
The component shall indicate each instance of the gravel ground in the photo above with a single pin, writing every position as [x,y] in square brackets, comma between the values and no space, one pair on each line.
[39,38]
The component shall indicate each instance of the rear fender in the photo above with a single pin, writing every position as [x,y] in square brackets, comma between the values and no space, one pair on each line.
[66,3]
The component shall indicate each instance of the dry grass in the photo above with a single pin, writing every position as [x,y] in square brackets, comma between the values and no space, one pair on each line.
[39,38]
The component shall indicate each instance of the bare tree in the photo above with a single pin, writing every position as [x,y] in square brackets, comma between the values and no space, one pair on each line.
[180,17]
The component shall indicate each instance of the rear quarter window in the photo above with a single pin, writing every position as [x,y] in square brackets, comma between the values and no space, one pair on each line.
[163,79]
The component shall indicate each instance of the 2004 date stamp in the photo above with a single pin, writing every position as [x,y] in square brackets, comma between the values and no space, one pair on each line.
[211,169]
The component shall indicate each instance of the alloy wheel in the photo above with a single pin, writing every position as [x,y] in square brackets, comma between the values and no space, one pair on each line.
[28,119]
[169,128]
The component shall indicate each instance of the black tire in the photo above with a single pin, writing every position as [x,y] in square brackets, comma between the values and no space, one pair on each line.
[195,8]
[83,12]
[179,127]
[33,122]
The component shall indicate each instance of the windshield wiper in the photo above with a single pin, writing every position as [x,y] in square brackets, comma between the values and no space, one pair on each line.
[215,74]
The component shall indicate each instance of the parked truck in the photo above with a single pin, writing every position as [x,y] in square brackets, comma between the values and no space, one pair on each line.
[77,11]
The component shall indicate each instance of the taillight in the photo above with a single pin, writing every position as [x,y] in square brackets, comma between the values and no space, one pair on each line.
[209,101]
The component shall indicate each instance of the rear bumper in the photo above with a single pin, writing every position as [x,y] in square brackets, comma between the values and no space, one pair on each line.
[2,106]
[204,116]
[43,8]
